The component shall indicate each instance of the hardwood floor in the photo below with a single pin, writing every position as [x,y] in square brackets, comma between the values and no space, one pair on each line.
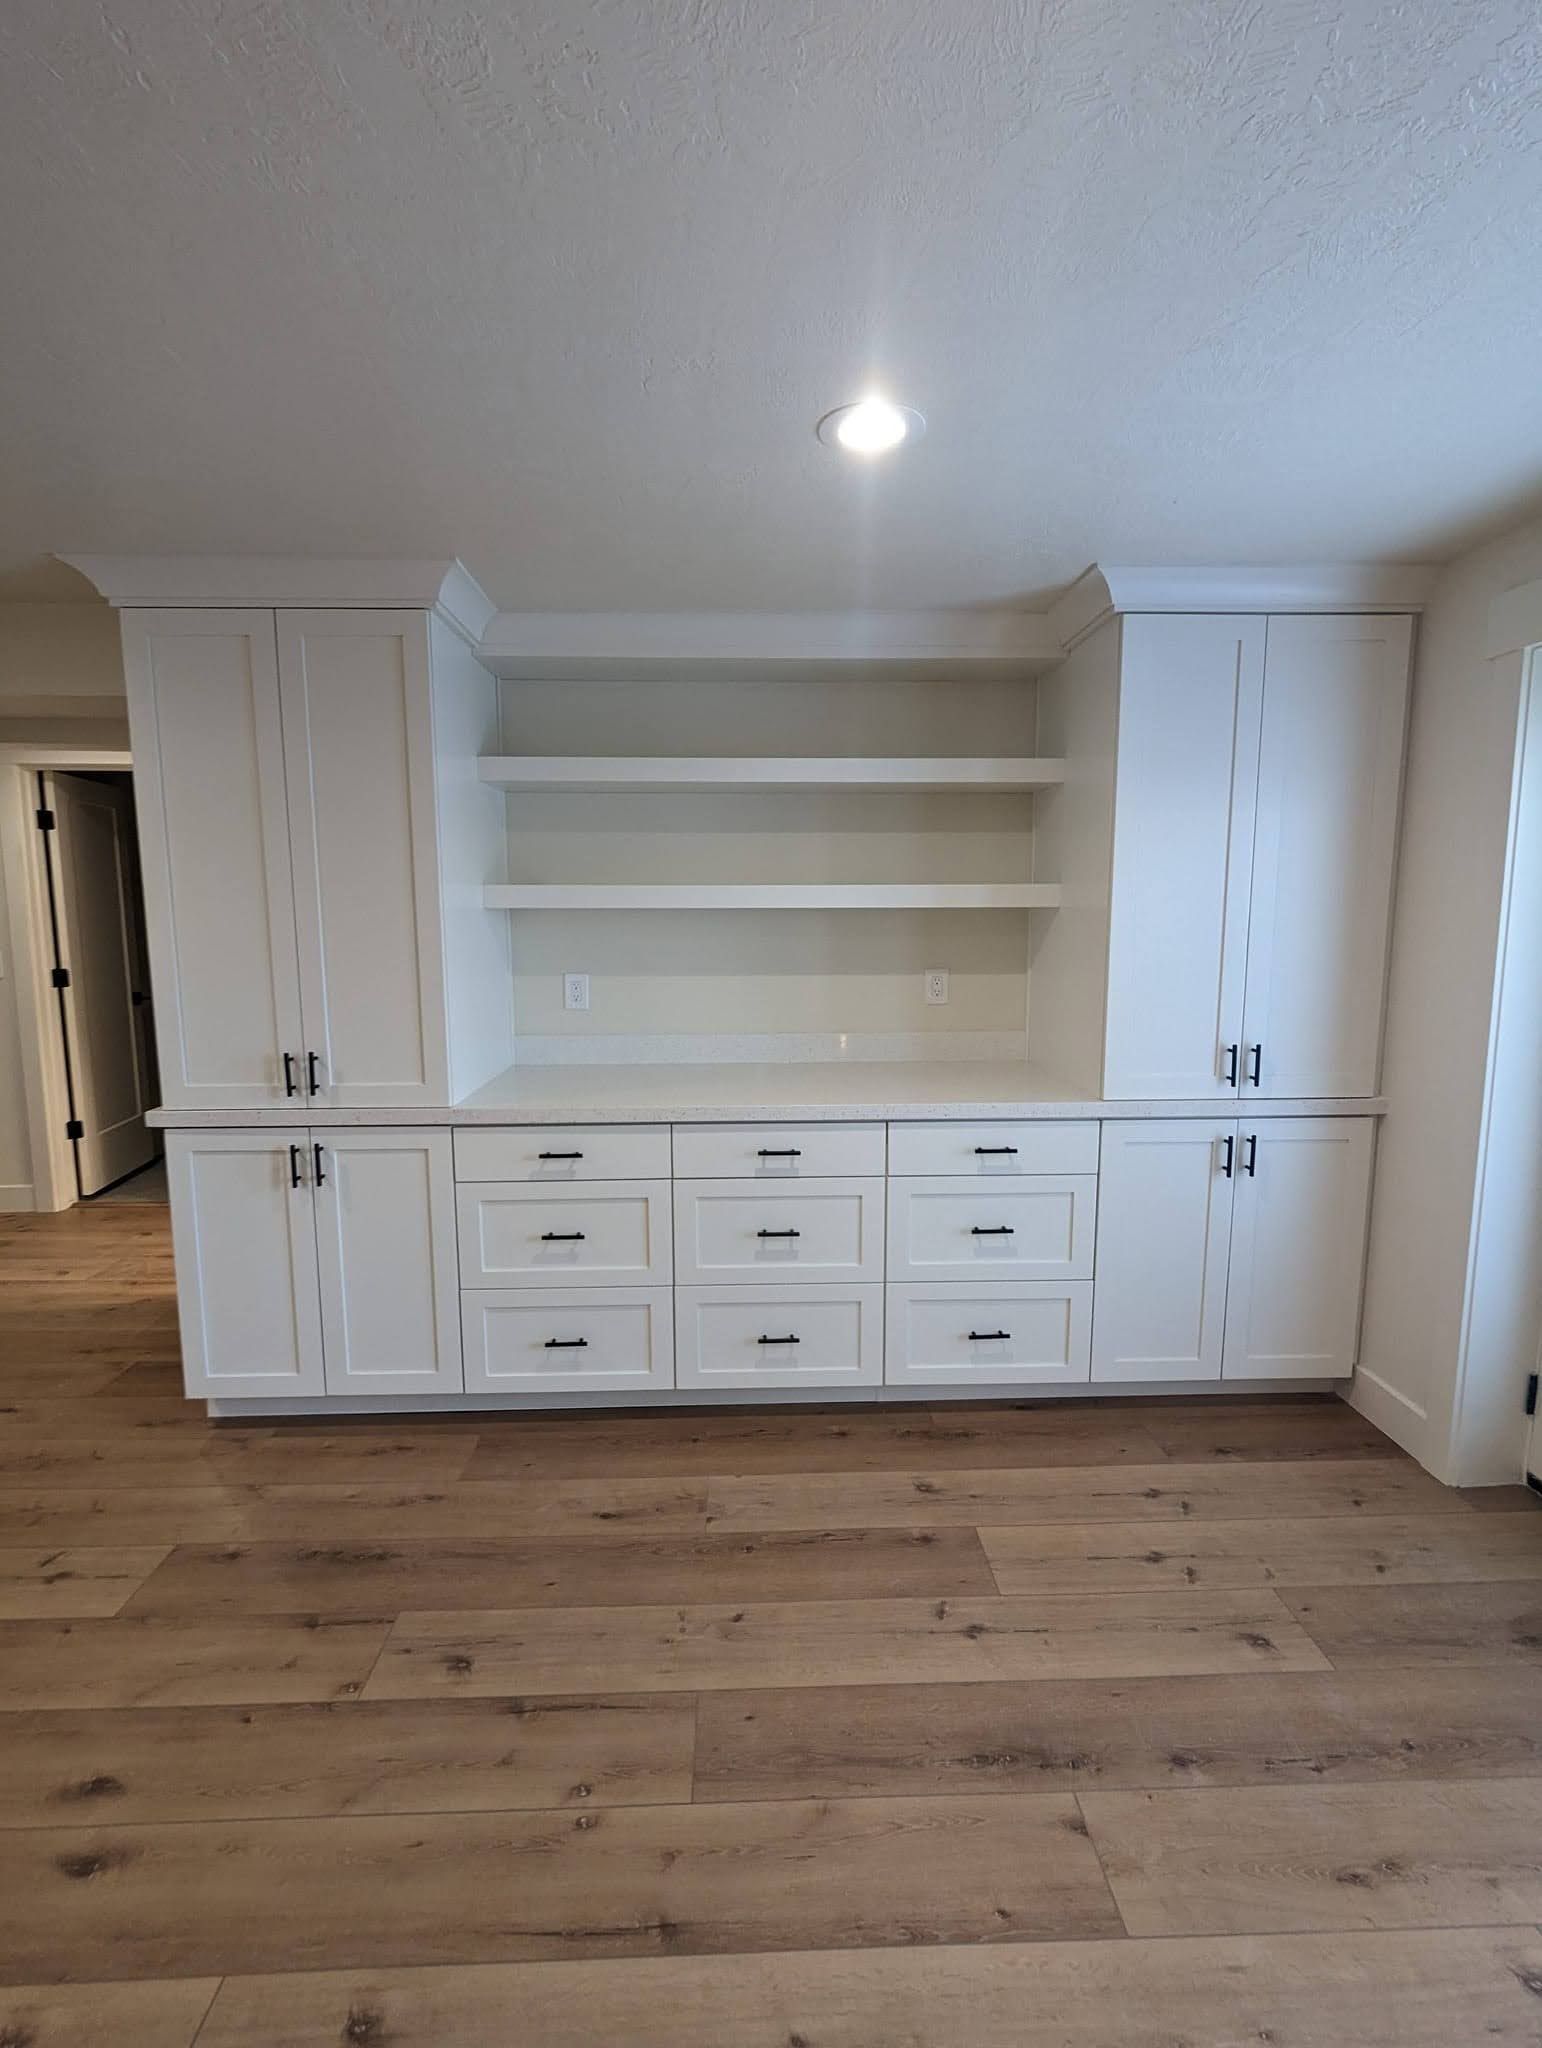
[1038,1726]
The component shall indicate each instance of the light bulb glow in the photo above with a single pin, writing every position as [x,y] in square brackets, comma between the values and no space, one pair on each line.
[872,427]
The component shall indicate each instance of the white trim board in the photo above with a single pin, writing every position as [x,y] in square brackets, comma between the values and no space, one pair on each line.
[1328,587]
[275,583]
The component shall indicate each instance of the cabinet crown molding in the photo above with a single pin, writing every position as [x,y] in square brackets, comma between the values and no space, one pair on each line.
[174,581]
[1104,590]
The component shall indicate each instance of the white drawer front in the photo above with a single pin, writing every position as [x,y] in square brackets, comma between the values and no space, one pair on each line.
[993,1150]
[603,1234]
[556,1154]
[537,1341]
[829,1230]
[1040,1228]
[779,1337]
[1025,1335]
[777,1151]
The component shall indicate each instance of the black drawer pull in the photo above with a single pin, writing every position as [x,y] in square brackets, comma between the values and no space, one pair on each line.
[567,1344]
[291,1085]
[1256,1065]
[559,1155]
[1250,1164]
[562,1237]
[779,1152]
[991,1230]
[987,1151]
[989,1336]
[312,1076]
[294,1167]
[320,1176]
[1233,1053]
[778,1340]
[779,1233]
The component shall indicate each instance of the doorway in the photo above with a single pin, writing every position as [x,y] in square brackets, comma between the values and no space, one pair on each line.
[99,972]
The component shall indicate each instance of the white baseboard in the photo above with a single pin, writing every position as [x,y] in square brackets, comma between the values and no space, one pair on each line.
[1392,1412]
[16,1197]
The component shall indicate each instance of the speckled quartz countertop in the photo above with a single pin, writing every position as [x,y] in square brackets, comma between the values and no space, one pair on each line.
[812,1092]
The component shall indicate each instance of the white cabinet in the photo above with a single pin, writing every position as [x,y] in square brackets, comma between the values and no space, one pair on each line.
[1302,1200]
[312,1262]
[964,1338]
[601,1340]
[778,1336]
[214,839]
[290,833]
[244,1233]
[1038,1227]
[1231,1250]
[1164,1233]
[598,1234]
[1255,822]
[823,1230]
[385,1235]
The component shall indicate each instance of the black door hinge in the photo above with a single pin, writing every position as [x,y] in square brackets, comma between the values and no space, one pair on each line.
[74,1128]
[61,977]
[45,820]
[1531,1395]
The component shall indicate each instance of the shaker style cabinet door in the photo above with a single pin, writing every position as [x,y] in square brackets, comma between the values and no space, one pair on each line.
[1303,1192]
[1164,1236]
[244,1235]
[214,837]
[385,1242]
[1324,842]
[1189,707]
[358,751]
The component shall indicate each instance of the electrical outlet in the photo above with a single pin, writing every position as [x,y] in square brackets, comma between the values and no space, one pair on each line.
[936,979]
[575,991]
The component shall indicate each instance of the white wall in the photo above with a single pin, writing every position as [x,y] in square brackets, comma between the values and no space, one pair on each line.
[1427,1296]
[61,681]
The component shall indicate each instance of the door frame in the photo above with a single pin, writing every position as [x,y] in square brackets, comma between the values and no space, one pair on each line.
[44,1083]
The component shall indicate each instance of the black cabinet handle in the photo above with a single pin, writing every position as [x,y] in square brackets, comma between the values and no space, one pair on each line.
[562,1237]
[989,1336]
[320,1176]
[1250,1164]
[567,1344]
[779,1233]
[1229,1156]
[312,1074]
[778,1340]
[991,1230]
[1256,1065]
[988,1151]
[1233,1055]
[559,1155]
[779,1152]
[291,1085]
[294,1166]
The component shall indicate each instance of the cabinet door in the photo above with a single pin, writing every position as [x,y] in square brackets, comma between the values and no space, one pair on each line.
[358,751]
[214,839]
[1164,1229]
[1298,1248]
[1330,771]
[385,1239]
[1189,703]
[244,1235]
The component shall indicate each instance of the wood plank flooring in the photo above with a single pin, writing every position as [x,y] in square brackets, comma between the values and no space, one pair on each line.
[1010,1726]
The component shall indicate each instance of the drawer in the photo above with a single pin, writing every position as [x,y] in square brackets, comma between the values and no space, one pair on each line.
[603,1234]
[540,1341]
[743,1230]
[777,1151]
[577,1152]
[993,1149]
[1024,1335]
[1040,1228]
[779,1336]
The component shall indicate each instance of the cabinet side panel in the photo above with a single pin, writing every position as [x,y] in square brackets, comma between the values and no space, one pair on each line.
[473,850]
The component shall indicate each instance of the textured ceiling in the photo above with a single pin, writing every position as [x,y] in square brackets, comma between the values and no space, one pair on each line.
[562,286]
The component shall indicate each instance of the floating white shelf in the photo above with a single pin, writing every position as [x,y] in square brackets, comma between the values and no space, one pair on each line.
[771,896]
[760,771]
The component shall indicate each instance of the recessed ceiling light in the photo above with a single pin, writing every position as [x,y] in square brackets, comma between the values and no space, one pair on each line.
[870,427]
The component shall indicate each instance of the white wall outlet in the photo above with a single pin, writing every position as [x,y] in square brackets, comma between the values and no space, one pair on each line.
[575,991]
[936,979]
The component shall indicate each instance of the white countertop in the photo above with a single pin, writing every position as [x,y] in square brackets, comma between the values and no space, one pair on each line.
[813,1092]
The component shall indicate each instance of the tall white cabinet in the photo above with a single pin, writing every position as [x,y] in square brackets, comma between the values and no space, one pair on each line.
[298,889]
[1254,822]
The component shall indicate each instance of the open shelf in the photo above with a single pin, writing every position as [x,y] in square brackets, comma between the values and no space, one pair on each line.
[771,896]
[760,771]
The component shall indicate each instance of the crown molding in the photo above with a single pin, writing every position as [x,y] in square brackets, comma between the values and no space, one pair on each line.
[1102,591]
[174,581]
[540,646]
